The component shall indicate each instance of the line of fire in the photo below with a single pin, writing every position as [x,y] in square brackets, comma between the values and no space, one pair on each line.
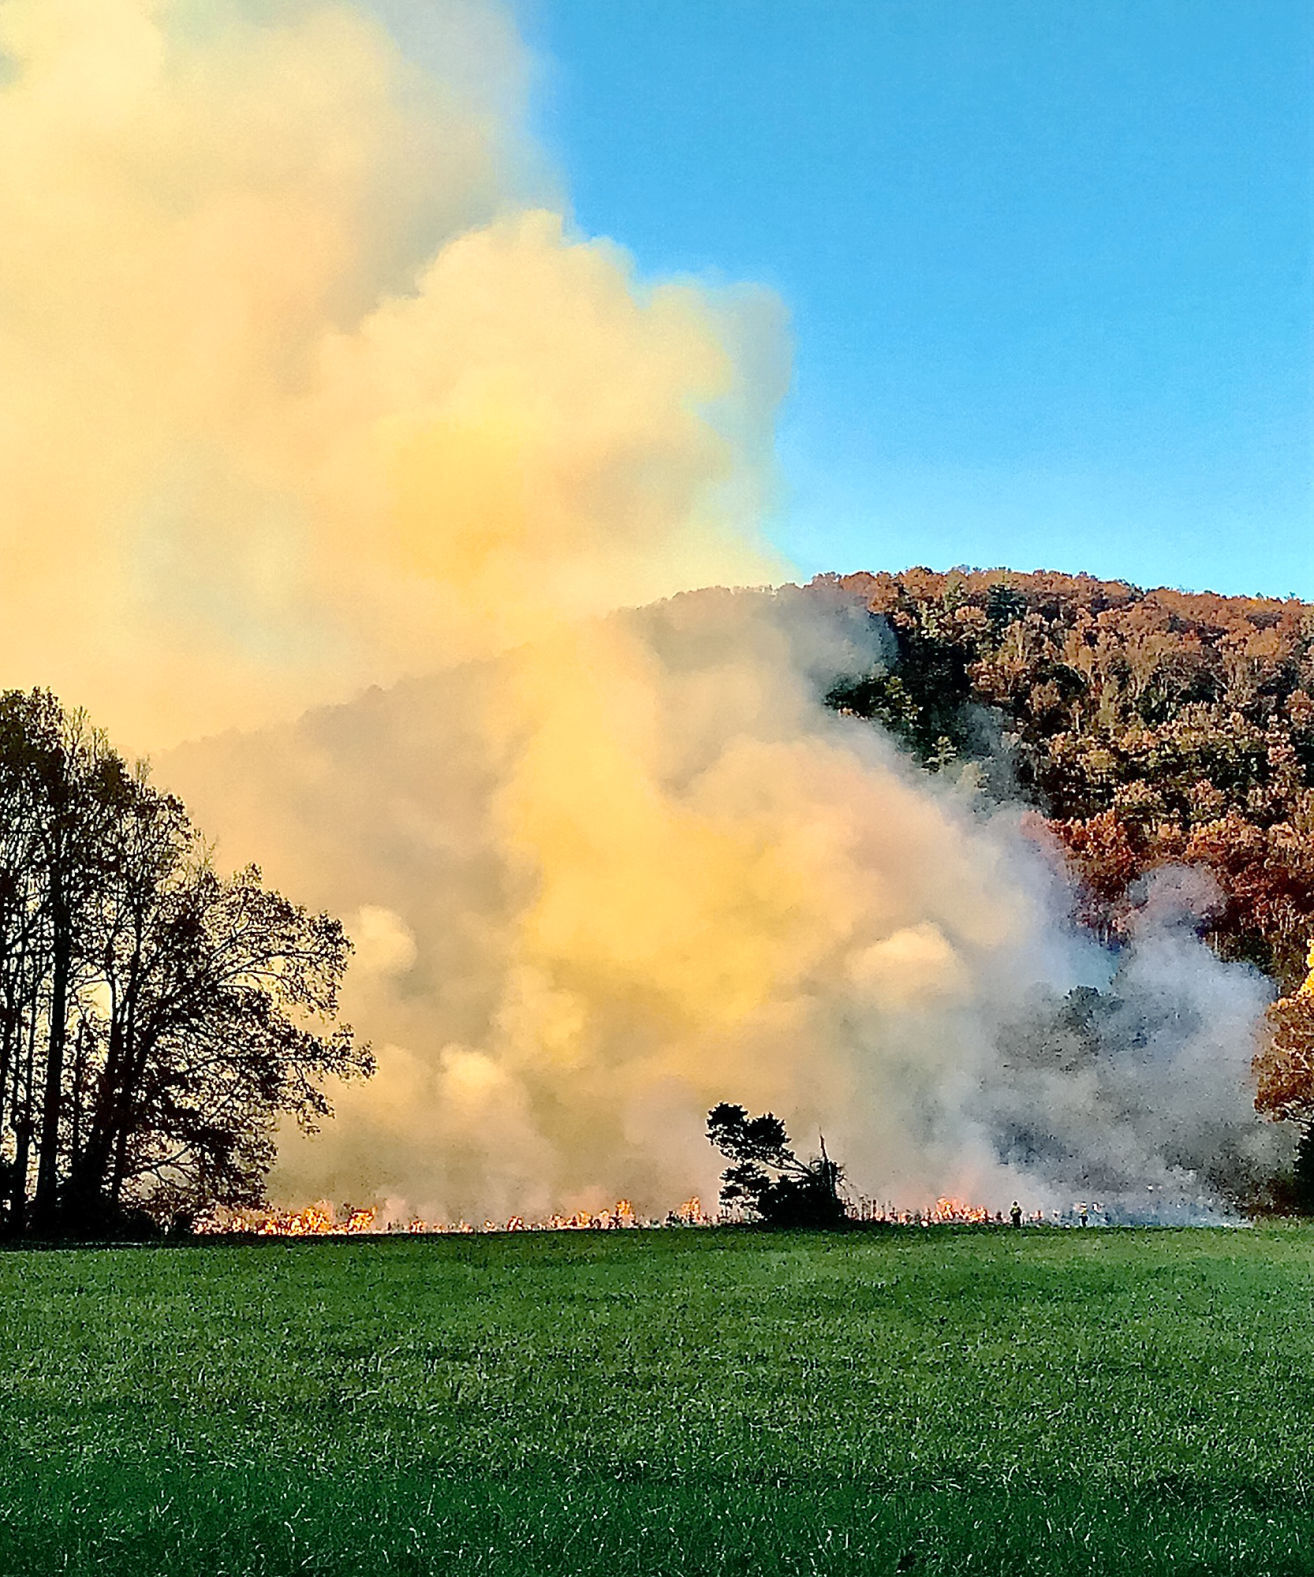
[326,1220]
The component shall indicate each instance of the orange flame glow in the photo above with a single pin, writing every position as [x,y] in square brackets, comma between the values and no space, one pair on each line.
[323,1220]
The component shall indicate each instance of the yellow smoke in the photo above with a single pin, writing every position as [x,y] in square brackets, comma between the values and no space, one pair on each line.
[308,388]
[619,873]
[301,388]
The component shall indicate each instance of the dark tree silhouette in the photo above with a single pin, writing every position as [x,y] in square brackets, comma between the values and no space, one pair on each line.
[156,1019]
[800,1194]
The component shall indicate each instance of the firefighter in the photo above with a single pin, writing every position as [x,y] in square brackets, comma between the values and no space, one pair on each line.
[1083,1215]
[1015,1214]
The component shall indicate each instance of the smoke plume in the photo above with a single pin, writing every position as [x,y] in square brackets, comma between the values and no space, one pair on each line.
[312,387]
[303,387]
[623,872]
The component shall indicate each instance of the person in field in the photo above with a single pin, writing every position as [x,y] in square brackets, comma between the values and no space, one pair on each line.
[1015,1214]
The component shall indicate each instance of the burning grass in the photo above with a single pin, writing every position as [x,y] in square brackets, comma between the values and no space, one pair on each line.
[325,1220]
[940,1402]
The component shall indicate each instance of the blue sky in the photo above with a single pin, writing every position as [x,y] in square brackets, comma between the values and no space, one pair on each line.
[1048,262]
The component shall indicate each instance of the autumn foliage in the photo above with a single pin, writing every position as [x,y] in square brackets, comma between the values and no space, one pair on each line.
[1284,1068]
[1147,729]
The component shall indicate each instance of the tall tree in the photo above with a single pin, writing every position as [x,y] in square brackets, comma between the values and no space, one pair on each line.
[156,1019]
[80,786]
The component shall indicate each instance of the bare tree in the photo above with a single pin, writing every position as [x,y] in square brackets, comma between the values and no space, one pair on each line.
[156,1019]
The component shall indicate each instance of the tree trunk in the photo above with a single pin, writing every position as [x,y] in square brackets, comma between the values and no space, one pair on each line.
[46,1205]
[79,1090]
[23,1126]
[92,1163]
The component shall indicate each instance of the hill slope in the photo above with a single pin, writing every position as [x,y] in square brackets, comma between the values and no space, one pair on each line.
[1146,727]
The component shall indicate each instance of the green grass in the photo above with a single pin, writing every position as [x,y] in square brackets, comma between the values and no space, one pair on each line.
[945,1401]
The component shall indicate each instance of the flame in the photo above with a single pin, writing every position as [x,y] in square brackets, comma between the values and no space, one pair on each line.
[318,1220]
[322,1220]
[958,1210]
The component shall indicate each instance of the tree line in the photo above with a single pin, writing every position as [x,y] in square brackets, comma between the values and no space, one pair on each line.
[156,1018]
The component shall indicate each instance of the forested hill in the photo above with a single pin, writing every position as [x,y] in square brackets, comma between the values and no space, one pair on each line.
[1147,727]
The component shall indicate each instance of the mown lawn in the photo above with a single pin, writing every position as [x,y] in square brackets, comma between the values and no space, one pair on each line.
[939,1401]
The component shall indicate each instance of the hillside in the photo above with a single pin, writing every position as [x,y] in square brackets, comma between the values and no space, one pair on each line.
[1146,727]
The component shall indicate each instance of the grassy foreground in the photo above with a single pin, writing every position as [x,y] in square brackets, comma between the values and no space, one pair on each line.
[944,1401]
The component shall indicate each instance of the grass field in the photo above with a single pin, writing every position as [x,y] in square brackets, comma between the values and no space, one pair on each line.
[937,1401]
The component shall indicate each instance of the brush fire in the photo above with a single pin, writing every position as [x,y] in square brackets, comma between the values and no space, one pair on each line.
[404,537]
[326,1220]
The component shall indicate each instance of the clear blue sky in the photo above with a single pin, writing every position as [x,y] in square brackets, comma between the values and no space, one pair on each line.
[1048,261]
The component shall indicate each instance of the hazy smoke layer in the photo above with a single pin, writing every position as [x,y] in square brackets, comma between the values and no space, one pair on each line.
[637,868]
[309,387]
[1141,1093]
